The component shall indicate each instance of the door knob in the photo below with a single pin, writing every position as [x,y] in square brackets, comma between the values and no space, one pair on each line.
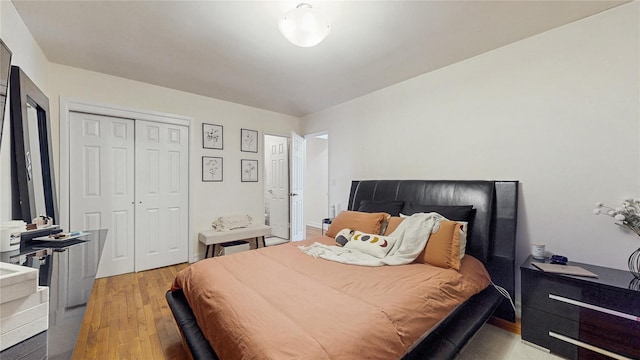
[293,194]
[270,191]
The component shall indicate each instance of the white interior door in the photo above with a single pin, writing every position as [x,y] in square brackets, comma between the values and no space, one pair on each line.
[162,175]
[101,179]
[277,185]
[296,183]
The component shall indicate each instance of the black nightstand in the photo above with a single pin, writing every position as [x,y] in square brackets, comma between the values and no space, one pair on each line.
[325,221]
[579,317]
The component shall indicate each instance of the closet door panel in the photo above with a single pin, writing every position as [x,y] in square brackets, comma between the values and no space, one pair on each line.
[101,180]
[161,195]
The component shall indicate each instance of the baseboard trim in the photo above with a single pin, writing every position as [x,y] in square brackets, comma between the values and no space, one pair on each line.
[506,325]
[315,225]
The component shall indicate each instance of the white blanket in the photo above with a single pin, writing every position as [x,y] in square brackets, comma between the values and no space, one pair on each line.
[411,238]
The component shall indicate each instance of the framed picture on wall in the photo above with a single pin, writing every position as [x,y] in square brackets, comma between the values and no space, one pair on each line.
[248,140]
[211,168]
[212,136]
[249,170]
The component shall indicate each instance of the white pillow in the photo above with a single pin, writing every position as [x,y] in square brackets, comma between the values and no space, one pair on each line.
[371,244]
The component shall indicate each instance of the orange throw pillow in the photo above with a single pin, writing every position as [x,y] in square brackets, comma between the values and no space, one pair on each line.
[443,247]
[392,224]
[370,223]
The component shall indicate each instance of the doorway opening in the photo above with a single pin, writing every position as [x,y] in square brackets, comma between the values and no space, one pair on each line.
[317,179]
[276,188]
[296,185]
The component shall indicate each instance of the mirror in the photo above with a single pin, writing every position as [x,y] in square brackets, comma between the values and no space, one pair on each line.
[33,184]
[5,67]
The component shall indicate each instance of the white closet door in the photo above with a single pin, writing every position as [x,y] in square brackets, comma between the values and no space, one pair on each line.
[162,174]
[101,180]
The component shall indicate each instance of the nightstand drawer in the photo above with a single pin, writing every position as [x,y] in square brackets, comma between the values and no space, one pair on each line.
[536,290]
[536,325]
[595,329]
[623,301]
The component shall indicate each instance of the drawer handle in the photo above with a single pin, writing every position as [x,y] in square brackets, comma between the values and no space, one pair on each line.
[595,307]
[588,346]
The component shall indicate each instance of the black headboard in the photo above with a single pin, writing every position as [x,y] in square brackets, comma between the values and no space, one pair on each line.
[492,237]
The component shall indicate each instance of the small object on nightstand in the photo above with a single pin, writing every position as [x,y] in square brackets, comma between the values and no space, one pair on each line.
[564,269]
[537,251]
[326,221]
[559,259]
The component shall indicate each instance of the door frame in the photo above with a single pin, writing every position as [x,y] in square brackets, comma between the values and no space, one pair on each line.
[264,157]
[264,177]
[299,190]
[67,105]
[315,135]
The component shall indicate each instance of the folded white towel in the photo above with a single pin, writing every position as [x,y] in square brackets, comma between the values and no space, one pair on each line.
[224,223]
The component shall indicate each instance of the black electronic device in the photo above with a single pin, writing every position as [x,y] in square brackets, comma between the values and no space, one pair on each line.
[559,259]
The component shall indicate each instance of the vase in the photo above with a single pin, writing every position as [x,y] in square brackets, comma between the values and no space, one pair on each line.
[634,263]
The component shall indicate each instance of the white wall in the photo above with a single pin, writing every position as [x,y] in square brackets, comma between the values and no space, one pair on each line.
[209,199]
[558,111]
[28,55]
[316,187]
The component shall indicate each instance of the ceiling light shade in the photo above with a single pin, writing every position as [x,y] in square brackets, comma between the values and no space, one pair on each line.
[304,26]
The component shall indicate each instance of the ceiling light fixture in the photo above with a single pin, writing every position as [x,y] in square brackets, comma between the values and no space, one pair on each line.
[304,26]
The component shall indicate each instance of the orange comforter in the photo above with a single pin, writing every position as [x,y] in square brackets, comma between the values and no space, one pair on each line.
[278,303]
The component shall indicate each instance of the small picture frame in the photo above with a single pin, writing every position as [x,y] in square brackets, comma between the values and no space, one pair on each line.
[212,136]
[212,169]
[249,170]
[248,140]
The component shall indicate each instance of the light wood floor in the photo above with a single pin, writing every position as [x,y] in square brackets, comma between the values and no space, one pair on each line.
[128,317]
[312,231]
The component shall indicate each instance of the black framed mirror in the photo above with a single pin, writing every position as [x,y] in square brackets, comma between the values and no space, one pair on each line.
[33,183]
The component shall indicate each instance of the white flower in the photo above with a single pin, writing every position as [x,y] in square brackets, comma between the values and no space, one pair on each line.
[627,215]
[599,204]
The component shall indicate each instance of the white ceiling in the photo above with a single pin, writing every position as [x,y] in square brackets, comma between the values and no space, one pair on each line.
[232,50]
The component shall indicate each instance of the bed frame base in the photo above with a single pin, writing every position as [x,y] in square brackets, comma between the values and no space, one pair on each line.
[443,343]
[496,201]
[197,344]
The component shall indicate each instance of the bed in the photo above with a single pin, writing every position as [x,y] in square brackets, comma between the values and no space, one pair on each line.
[491,240]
